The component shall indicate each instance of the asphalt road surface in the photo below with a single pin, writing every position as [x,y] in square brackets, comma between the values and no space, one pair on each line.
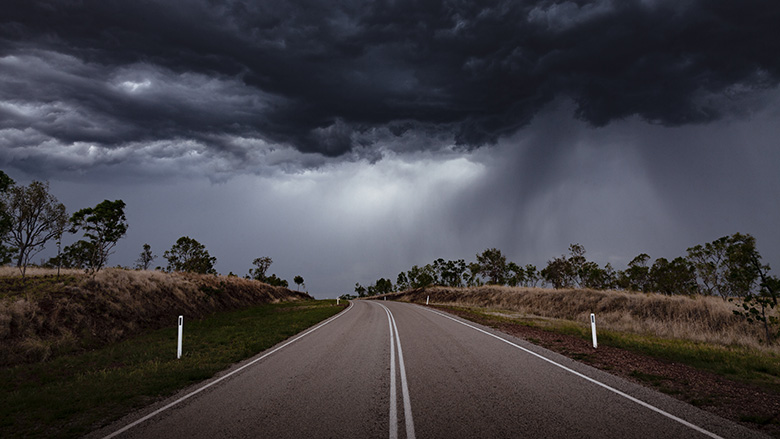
[396,370]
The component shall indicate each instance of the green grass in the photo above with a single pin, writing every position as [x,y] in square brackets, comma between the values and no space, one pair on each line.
[741,364]
[732,362]
[73,394]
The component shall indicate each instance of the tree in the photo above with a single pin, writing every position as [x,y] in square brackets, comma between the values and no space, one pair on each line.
[298,281]
[637,275]
[577,263]
[421,277]
[145,258]
[402,282]
[724,266]
[709,263]
[450,273]
[559,273]
[532,275]
[35,217]
[675,277]
[191,256]
[275,281]
[360,290]
[743,254]
[744,271]
[103,226]
[515,274]
[592,276]
[492,264]
[383,286]
[6,253]
[472,275]
[262,264]
[76,255]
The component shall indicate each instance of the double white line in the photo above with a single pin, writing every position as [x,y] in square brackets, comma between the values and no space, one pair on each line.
[395,339]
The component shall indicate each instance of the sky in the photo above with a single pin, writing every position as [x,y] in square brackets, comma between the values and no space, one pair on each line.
[351,140]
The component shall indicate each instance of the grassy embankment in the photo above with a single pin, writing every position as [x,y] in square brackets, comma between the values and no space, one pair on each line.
[698,331]
[71,378]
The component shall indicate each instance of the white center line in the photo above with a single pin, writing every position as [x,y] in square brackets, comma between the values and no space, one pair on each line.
[393,394]
[598,383]
[409,421]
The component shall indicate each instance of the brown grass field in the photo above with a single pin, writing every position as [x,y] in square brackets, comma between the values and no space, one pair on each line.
[698,318]
[44,315]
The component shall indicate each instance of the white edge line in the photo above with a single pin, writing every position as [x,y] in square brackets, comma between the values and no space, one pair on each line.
[612,389]
[200,389]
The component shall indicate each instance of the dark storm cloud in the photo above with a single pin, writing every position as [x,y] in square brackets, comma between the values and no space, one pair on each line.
[330,77]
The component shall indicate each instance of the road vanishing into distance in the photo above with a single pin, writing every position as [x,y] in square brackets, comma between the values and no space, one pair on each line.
[395,370]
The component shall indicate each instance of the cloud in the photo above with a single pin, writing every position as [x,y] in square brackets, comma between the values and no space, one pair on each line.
[339,79]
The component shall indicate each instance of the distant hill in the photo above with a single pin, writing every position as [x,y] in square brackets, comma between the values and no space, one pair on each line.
[45,315]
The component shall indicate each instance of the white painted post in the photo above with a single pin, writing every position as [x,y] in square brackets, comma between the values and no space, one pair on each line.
[385,298]
[593,329]
[337,300]
[427,299]
[181,326]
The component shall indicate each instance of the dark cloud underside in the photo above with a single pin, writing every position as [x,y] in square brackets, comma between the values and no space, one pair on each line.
[324,76]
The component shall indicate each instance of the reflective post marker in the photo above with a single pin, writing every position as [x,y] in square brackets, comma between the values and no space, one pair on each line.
[181,326]
[427,298]
[593,329]
[337,300]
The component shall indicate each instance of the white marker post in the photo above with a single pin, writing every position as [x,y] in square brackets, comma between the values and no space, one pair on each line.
[593,329]
[337,300]
[181,327]
[427,298]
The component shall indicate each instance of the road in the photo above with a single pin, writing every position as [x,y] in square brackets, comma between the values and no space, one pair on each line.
[397,370]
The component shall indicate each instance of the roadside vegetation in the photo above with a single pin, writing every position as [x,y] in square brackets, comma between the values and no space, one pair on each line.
[43,314]
[75,393]
[729,268]
[31,218]
[694,318]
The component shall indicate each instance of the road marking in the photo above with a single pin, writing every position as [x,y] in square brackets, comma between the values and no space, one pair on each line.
[598,383]
[393,394]
[200,389]
[409,421]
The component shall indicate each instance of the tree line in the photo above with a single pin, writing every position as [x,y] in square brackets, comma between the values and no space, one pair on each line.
[31,217]
[729,267]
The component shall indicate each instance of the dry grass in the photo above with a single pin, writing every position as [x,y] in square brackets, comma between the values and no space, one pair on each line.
[9,271]
[701,319]
[43,315]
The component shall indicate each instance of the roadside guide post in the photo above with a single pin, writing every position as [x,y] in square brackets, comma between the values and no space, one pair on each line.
[181,326]
[593,329]
[427,298]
